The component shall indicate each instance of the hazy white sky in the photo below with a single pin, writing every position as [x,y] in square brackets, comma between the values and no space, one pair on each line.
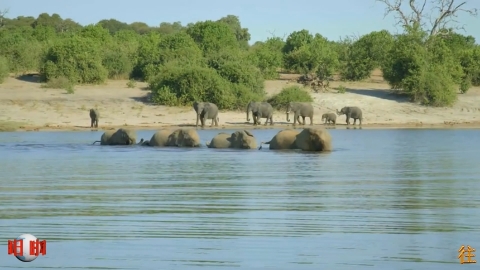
[332,19]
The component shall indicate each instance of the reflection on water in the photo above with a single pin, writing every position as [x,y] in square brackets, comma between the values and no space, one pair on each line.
[399,199]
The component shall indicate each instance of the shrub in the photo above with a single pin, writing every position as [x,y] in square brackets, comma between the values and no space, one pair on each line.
[341,89]
[423,68]
[131,83]
[289,94]
[75,58]
[3,69]
[178,84]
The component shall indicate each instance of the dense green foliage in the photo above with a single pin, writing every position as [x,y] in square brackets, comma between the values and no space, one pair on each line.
[289,94]
[212,60]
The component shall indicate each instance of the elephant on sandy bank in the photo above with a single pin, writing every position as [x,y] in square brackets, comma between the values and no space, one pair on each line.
[329,118]
[351,112]
[309,139]
[260,110]
[238,140]
[175,138]
[303,109]
[122,136]
[94,116]
[204,111]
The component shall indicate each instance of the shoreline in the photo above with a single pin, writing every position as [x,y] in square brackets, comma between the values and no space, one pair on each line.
[375,126]
[27,106]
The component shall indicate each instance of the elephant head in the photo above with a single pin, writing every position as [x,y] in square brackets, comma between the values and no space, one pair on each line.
[342,111]
[289,109]
[249,108]
[242,140]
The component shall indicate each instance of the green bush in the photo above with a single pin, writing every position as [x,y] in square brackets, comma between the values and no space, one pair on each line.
[423,68]
[178,84]
[76,58]
[289,94]
[3,69]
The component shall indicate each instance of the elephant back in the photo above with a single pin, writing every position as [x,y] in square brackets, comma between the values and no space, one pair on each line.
[285,139]
[221,140]
[106,136]
[160,137]
[184,138]
[314,139]
[124,136]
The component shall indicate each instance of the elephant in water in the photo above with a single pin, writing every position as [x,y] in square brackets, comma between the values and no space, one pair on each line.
[204,111]
[309,139]
[94,116]
[314,139]
[284,139]
[303,109]
[175,138]
[238,140]
[351,112]
[122,136]
[260,110]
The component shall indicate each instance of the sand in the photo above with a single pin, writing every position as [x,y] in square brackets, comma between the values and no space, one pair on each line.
[25,105]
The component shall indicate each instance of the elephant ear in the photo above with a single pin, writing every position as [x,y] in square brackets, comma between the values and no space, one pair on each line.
[248,133]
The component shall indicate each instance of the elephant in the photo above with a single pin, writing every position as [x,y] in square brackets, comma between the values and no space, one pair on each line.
[238,140]
[303,109]
[204,111]
[260,110]
[314,139]
[94,116]
[122,136]
[175,138]
[284,139]
[329,118]
[351,112]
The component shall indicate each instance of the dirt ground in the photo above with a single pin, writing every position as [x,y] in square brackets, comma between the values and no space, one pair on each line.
[25,105]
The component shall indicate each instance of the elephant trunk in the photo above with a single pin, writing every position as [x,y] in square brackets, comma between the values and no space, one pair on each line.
[288,116]
[248,114]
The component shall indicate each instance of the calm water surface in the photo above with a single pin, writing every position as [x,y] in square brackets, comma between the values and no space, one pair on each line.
[384,199]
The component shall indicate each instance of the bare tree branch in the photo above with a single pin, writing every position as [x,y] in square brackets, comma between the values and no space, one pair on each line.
[443,14]
[3,13]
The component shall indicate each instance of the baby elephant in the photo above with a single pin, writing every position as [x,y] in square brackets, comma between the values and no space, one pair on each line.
[94,116]
[329,118]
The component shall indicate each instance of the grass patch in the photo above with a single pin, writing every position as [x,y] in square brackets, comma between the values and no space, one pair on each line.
[289,94]
[60,83]
[341,89]
[131,84]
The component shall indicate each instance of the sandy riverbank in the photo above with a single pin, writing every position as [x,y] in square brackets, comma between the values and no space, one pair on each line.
[26,105]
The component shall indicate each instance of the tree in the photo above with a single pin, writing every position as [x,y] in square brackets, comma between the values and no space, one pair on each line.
[440,21]
[366,54]
[212,36]
[242,34]
[317,58]
[430,72]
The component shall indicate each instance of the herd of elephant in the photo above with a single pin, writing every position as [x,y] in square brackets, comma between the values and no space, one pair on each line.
[259,110]
[308,139]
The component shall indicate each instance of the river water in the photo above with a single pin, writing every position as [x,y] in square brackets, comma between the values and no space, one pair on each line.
[384,199]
